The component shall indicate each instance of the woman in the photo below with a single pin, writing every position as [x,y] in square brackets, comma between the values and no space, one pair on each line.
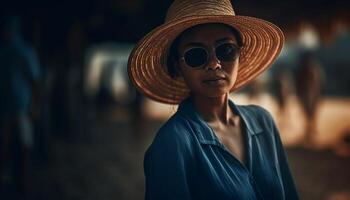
[210,148]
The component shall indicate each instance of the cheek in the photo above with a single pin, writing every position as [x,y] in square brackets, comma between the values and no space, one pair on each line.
[233,72]
[192,78]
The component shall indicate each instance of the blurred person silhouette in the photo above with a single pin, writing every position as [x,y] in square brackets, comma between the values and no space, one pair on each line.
[282,83]
[282,89]
[333,55]
[308,90]
[19,75]
[283,86]
[257,89]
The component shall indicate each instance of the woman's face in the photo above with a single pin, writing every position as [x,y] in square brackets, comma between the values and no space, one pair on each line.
[208,59]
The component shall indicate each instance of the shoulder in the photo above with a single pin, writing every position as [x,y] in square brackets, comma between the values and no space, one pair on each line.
[174,137]
[177,127]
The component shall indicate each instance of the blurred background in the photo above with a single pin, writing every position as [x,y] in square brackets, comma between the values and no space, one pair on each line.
[73,127]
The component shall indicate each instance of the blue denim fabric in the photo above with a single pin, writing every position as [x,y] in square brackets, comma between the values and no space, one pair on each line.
[187,161]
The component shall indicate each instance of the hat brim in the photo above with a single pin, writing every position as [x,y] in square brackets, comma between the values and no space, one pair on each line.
[262,43]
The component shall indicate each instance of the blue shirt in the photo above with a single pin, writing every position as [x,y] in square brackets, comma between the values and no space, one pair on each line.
[187,161]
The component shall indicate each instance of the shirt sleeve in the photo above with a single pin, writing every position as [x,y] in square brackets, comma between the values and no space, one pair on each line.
[167,165]
[289,187]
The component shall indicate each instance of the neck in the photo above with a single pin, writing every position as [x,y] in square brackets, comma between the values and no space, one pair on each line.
[213,109]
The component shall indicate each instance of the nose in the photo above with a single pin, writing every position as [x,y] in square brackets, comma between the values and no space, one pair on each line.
[213,62]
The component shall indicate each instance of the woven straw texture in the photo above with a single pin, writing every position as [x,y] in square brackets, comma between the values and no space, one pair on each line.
[262,43]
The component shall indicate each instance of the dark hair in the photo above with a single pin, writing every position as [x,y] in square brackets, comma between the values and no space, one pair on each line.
[173,54]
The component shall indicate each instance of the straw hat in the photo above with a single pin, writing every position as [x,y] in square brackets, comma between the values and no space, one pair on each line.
[262,43]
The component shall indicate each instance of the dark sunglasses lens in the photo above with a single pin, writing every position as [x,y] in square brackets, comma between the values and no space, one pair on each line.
[227,52]
[196,57]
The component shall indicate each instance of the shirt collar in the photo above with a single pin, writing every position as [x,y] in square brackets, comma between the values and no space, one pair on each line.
[203,130]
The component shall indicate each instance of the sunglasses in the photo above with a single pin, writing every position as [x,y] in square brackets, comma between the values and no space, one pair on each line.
[198,57]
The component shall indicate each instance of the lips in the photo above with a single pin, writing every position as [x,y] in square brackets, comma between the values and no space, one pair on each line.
[218,80]
[214,79]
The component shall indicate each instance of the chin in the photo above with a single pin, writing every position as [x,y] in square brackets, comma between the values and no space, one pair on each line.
[217,93]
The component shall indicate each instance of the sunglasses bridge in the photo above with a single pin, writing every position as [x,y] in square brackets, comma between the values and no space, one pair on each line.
[199,57]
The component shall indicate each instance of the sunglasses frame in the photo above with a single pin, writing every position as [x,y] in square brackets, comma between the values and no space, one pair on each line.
[213,49]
